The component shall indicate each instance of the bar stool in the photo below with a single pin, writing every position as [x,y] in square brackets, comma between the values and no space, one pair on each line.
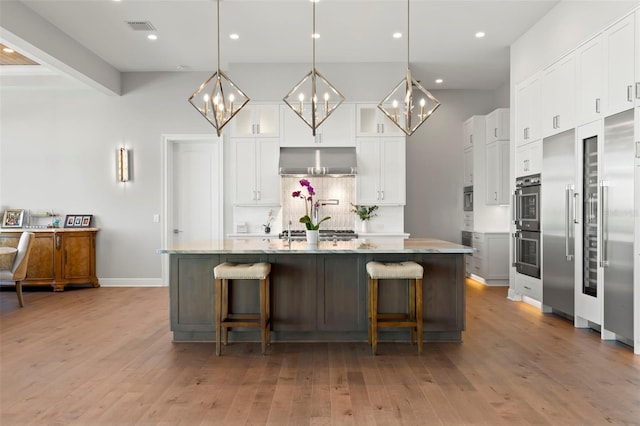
[224,319]
[410,271]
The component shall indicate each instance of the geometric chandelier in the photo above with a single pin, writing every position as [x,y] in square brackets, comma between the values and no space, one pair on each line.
[303,99]
[218,99]
[399,105]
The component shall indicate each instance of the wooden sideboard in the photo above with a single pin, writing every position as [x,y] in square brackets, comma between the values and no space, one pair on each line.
[59,257]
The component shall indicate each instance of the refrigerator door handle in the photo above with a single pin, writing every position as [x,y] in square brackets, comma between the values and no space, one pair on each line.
[567,222]
[576,208]
[604,262]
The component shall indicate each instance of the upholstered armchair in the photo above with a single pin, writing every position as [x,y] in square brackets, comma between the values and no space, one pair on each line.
[18,270]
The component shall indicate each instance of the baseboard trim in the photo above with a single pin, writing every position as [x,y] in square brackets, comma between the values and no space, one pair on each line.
[131,282]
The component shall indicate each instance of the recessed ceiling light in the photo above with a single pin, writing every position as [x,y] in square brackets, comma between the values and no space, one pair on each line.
[8,50]
[480,34]
[397,35]
[152,37]
[315,35]
[234,36]
[439,80]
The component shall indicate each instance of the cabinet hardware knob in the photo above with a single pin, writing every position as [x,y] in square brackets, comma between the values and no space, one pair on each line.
[598,105]
[630,93]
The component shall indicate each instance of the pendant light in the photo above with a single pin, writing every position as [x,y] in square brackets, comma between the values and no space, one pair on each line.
[303,98]
[399,104]
[218,99]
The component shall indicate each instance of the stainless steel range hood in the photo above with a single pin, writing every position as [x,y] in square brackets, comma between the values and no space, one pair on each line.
[318,161]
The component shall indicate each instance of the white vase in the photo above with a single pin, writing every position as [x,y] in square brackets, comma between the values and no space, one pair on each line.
[364,226]
[312,237]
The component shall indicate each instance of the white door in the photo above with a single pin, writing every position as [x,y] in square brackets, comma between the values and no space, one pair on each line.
[196,201]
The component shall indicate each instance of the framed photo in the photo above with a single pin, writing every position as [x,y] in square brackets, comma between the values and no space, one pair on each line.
[78,221]
[12,218]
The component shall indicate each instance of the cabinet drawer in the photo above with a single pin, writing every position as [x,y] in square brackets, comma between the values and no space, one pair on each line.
[527,286]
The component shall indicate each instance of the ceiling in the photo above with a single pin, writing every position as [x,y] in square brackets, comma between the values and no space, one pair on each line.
[442,38]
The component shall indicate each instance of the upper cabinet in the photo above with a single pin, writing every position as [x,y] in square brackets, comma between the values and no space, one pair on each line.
[257,120]
[558,96]
[337,130]
[498,125]
[637,59]
[528,110]
[590,69]
[620,53]
[529,158]
[497,170]
[468,167]
[381,178]
[256,180]
[467,130]
[370,121]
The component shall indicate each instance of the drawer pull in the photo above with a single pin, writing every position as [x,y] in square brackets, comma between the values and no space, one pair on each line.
[527,288]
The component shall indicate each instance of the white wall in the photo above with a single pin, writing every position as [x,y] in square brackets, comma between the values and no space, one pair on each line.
[62,143]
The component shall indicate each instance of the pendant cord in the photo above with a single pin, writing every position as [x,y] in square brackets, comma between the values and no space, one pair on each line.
[313,37]
[408,33]
[218,28]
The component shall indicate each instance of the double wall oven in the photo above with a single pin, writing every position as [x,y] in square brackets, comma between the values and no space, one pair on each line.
[526,216]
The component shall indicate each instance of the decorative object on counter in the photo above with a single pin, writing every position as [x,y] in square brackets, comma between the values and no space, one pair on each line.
[267,226]
[309,206]
[409,119]
[303,98]
[365,213]
[13,218]
[221,99]
[312,237]
[123,165]
[78,221]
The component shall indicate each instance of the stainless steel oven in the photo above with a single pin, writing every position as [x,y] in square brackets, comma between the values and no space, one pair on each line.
[526,203]
[467,198]
[526,246]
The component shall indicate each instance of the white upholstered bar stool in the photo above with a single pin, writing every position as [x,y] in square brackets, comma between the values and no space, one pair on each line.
[224,319]
[410,271]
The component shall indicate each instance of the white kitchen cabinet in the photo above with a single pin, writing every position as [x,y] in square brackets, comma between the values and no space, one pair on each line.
[528,113]
[590,67]
[256,180]
[498,125]
[257,120]
[620,53]
[529,158]
[468,167]
[370,121]
[558,96]
[637,88]
[497,173]
[491,259]
[338,130]
[467,130]
[528,286]
[381,178]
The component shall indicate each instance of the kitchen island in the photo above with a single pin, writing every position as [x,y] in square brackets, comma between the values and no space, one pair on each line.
[318,293]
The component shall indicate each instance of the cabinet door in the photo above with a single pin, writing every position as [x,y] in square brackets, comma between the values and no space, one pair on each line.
[468,167]
[529,158]
[257,121]
[372,122]
[267,180]
[492,153]
[528,110]
[558,92]
[368,177]
[620,53]
[503,172]
[41,258]
[392,174]
[295,132]
[467,131]
[246,172]
[498,125]
[590,79]
[340,128]
[342,304]
[78,255]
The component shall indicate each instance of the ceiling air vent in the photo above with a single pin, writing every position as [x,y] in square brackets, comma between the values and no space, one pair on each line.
[141,26]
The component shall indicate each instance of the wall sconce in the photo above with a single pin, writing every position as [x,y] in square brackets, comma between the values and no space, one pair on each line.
[123,165]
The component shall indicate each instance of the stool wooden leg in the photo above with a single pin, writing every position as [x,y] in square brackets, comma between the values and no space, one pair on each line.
[419,314]
[369,308]
[225,309]
[268,310]
[263,316]
[218,311]
[374,317]
[412,307]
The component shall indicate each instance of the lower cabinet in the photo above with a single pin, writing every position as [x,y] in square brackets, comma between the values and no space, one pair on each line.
[491,259]
[529,286]
[60,257]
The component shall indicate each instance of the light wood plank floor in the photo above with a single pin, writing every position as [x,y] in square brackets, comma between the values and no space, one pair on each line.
[105,357]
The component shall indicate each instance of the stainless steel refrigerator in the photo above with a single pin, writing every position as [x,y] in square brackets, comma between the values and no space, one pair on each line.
[557,216]
[617,221]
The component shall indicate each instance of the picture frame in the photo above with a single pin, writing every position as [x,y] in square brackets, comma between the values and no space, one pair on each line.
[78,221]
[13,218]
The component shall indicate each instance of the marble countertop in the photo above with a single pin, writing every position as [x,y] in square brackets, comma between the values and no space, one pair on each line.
[360,245]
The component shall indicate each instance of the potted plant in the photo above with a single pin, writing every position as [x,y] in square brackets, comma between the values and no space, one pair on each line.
[309,206]
[267,226]
[365,213]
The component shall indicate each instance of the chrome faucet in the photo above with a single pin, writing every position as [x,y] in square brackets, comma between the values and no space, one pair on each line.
[289,233]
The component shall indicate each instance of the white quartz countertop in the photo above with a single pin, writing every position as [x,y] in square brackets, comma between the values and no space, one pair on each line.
[360,245]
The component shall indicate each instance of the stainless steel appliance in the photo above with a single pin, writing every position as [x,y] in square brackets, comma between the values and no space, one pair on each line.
[467,198]
[527,253]
[337,161]
[526,203]
[557,212]
[617,223]
[324,235]
[589,150]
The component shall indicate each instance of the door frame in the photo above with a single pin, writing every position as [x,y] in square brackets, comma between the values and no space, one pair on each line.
[166,217]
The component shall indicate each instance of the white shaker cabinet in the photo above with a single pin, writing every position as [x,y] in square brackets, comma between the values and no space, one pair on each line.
[498,125]
[497,173]
[558,96]
[381,178]
[620,54]
[257,120]
[256,179]
[339,129]
[467,137]
[529,158]
[370,121]
[590,68]
[491,259]
[528,112]
[468,167]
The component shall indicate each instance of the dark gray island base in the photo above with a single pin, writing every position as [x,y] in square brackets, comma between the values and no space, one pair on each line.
[317,294]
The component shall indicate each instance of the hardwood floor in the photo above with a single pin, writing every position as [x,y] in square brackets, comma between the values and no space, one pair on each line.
[104,356]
